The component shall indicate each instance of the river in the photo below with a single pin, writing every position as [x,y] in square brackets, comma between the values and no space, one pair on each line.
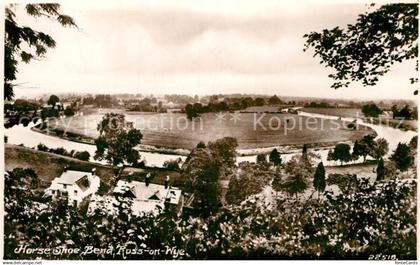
[24,135]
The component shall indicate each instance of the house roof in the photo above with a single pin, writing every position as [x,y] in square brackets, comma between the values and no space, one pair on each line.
[152,192]
[70,177]
[83,183]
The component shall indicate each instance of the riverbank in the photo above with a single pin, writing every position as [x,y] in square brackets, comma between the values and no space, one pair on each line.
[78,138]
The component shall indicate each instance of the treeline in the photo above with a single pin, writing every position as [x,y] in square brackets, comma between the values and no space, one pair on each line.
[145,105]
[401,159]
[318,105]
[23,111]
[100,101]
[229,104]
[83,155]
[406,112]
[181,99]
[21,105]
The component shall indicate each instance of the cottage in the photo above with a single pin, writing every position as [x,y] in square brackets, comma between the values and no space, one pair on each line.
[75,184]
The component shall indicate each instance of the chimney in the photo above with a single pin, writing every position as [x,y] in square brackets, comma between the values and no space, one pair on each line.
[167,182]
[94,171]
[147,180]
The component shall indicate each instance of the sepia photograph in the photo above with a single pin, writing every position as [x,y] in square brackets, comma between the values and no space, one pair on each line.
[210,130]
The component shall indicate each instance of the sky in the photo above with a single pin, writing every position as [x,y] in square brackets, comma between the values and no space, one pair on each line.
[196,47]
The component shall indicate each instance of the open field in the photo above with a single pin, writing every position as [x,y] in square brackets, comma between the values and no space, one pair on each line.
[253,130]
[276,108]
[341,112]
[357,113]
[366,170]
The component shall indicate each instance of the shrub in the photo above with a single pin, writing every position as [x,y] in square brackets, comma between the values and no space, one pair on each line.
[172,165]
[201,145]
[103,188]
[351,126]
[59,151]
[85,156]
[68,112]
[42,147]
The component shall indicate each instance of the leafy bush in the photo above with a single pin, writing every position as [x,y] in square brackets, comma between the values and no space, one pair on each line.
[42,147]
[103,188]
[85,156]
[172,165]
[68,112]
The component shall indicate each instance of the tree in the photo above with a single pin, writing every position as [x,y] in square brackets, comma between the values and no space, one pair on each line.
[48,113]
[53,100]
[224,151]
[204,167]
[402,157]
[259,102]
[117,140]
[330,156]
[363,147]
[366,50]
[23,43]
[172,164]
[405,113]
[206,191]
[371,110]
[68,112]
[391,170]
[261,158]
[246,102]
[413,145]
[85,156]
[304,151]
[203,171]
[277,183]
[201,145]
[24,106]
[319,178]
[274,100]
[380,170]
[248,180]
[190,111]
[275,157]
[380,148]
[298,172]
[42,147]
[342,152]
[395,111]
[295,184]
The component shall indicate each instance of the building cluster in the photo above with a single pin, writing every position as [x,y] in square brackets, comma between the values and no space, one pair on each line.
[143,197]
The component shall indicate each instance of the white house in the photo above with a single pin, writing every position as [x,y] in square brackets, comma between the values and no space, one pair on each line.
[145,197]
[75,184]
